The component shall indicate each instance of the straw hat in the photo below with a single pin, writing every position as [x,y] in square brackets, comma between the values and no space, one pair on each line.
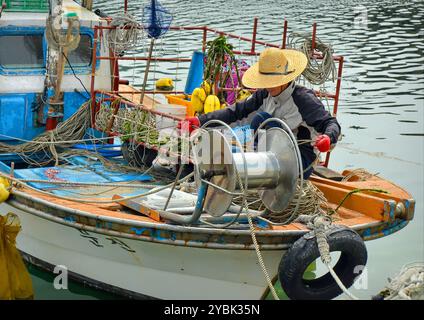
[275,68]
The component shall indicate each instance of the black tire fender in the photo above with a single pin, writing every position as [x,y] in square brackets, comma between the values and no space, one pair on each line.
[305,250]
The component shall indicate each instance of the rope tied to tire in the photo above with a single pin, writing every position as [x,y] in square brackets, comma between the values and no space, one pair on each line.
[304,251]
[319,224]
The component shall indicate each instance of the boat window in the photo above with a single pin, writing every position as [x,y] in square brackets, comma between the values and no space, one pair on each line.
[81,56]
[21,51]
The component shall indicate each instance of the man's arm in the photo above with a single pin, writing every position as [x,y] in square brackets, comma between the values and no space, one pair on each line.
[315,115]
[237,111]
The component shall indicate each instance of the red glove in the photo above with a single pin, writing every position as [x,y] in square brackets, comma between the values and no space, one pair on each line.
[322,143]
[191,123]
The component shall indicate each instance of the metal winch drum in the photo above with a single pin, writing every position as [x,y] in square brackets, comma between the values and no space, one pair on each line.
[273,170]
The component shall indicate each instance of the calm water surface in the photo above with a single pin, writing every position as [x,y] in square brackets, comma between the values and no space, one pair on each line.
[382,101]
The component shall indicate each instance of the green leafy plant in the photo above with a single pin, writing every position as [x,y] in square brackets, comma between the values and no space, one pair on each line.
[219,63]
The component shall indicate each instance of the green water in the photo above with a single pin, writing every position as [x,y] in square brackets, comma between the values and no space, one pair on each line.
[43,284]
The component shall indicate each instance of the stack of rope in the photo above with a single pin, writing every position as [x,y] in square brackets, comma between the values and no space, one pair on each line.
[407,285]
[310,199]
[125,35]
[359,174]
[316,72]
[64,135]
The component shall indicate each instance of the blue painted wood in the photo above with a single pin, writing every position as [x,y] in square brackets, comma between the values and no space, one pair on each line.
[106,150]
[99,168]
[4,167]
[81,171]
[70,174]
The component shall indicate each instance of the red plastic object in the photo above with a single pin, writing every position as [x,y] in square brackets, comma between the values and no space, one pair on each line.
[191,123]
[51,123]
[323,143]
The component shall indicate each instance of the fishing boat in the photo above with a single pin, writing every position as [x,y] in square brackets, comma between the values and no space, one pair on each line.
[78,157]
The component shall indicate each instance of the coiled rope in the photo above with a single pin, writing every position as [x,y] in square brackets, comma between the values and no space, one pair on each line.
[126,34]
[360,174]
[310,199]
[317,71]
[57,39]
[407,285]
[64,135]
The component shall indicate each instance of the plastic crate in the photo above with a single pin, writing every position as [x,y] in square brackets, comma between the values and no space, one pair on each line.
[183,100]
[27,5]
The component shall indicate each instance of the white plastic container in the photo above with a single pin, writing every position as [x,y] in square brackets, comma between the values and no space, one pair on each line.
[171,109]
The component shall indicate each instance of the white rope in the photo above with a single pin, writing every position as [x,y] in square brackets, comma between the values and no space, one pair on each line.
[319,224]
[407,285]
[316,72]
[126,34]
[243,190]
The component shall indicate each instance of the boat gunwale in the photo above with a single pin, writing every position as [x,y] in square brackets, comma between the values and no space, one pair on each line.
[166,226]
[187,243]
[270,234]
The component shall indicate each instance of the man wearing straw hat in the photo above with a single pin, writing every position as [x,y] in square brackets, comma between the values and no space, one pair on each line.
[279,97]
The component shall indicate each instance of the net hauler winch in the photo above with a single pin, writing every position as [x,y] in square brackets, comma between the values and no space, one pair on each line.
[221,174]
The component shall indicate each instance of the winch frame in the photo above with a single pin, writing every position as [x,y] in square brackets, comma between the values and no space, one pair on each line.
[215,196]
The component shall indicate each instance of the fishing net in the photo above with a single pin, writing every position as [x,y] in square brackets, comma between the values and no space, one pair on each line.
[15,281]
[156,19]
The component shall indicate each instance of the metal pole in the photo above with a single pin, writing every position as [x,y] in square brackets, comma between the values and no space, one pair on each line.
[338,86]
[205,36]
[93,76]
[336,100]
[314,32]
[3,7]
[255,28]
[197,210]
[284,34]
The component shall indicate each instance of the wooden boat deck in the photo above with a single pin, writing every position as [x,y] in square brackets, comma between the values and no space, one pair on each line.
[148,101]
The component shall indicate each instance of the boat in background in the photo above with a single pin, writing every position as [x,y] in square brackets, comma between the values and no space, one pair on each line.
[78,146]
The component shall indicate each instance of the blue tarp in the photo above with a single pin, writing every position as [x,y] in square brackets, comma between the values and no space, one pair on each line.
[81,170]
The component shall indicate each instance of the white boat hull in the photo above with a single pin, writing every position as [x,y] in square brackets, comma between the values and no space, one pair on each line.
[146,268]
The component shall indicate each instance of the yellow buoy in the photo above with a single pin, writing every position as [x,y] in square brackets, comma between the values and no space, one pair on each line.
[165,84]
[4,193]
